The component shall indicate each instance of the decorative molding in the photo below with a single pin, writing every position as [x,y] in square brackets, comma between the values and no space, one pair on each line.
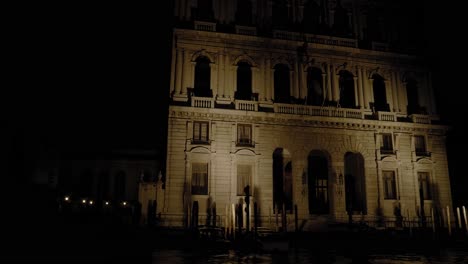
[312,121]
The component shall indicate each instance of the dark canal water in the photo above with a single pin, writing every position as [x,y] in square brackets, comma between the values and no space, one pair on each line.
[303,255]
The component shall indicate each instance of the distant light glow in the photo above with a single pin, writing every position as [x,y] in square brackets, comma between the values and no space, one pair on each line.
[67,198]
[124,203]
[91,202]
[107,203]
[83,201]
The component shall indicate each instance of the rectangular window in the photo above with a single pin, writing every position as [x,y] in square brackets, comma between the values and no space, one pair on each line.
[200,132]
[420,145]
[424,185]
[386,145]
[200,178]
[244,134]
[244,178]
[389,185]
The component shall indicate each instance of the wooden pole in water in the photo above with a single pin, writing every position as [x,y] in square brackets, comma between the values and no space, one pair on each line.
[283,218]
[459,218]
[255,219]
[409,222]
[276,218]
[433,225]
[269,216]
[295,218]
[233,220]
[226,217]
[466,221]
[448,221]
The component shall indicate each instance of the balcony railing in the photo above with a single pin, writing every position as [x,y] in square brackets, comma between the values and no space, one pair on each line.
[319,39]
[318,111]
[202,102]
[243,30]
[205,26]
[386,116]
[422,119]
[246,105]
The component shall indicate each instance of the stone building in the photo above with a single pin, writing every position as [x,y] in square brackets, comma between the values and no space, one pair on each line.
[312,103]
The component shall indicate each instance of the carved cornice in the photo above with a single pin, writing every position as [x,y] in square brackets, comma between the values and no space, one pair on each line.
[309,121]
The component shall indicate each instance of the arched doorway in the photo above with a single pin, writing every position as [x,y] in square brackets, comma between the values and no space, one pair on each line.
[317,178]
[282,179]
[314,86]
[346,84]
[244,81]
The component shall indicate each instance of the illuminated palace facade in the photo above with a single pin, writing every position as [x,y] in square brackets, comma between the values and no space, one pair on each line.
[309,104]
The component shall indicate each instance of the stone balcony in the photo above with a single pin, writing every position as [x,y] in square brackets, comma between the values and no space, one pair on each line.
[310,110]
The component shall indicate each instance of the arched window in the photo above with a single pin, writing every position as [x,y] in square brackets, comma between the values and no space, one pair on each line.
[346,86]
[380,96]
[282,179]
[280,14]
[317,171]
[205,10]
[202,77]
[282,84]
[244,12]
[311,21]
[314,86]
[355,185]
[412,95]
[244,81]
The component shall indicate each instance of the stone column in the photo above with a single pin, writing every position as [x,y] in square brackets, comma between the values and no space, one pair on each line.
[297,92]
[356,98]
[220,75]
[291,83]
[401,92]
[371,89]
[396,107]
[336,85]
[324,88]
[173,71]
[388,92]
[179,75]
[234,79]
[360,88]
[214,79]
[329,83]
[431,94]
[365,84]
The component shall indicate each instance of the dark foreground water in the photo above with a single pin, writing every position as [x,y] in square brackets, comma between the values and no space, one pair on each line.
[302,255]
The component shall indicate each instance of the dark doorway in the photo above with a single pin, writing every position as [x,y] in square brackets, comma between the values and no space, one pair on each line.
[202,77]
[380,95]
[346,86]
[282,180]
[355,183]
[412,95]
[318,183]
[282,84]
[244,81]
[314,86]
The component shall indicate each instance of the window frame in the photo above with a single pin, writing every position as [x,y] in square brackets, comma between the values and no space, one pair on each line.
[383,149]
[427,196]
[394,185]
[199,140]
[421,152]
[206,189]
[251,166]
[250,143]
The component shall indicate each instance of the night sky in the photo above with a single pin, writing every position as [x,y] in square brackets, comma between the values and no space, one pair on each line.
[93,78]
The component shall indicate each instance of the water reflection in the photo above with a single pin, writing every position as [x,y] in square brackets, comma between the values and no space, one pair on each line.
[300,255]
